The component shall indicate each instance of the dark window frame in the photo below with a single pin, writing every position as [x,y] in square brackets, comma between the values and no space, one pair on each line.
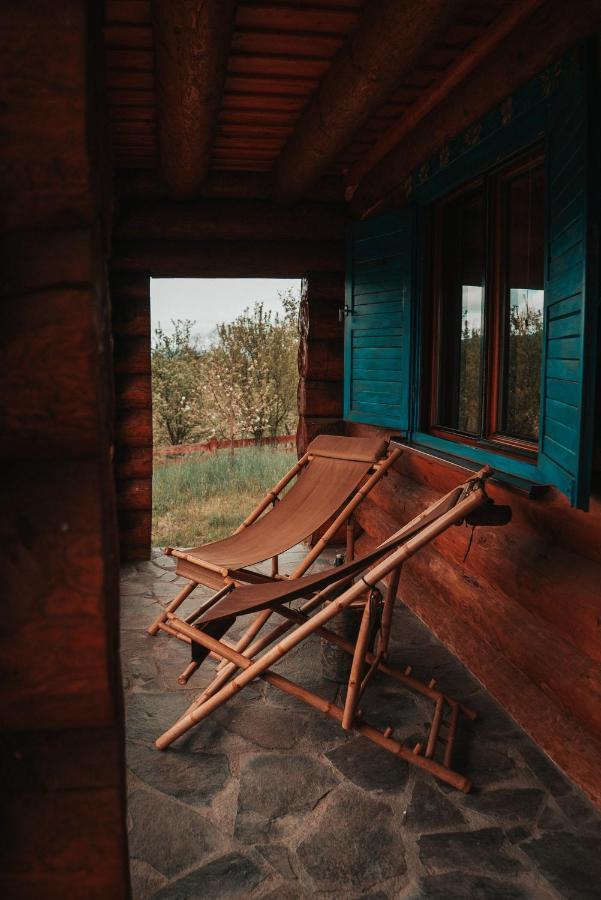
[495,331]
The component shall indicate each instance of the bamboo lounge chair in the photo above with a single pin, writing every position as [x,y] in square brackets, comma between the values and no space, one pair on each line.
[466,503]
[334,475]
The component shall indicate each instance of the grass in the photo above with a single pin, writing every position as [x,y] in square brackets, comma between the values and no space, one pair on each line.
[205,497]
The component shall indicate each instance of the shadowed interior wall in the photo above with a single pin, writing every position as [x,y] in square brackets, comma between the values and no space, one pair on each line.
[61,740]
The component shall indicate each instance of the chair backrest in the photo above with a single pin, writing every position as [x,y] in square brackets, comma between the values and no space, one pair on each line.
[336,468]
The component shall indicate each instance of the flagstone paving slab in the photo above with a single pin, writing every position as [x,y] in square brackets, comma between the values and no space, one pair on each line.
[269,799]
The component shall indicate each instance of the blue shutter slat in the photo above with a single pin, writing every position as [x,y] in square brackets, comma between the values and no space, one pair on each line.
[568,339]
[377,338]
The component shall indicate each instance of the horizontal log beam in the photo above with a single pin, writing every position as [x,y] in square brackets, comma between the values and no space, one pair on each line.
[389,38]
[147,184]
[549,32]
[228,259]
[466,64]
[320,398]
[191,42]
[230,220]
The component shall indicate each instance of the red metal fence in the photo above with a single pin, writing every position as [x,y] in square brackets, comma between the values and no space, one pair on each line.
[213,445]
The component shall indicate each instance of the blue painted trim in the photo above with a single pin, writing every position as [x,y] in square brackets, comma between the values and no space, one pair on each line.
[499,461]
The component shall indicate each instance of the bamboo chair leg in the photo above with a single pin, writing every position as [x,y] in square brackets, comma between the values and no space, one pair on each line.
[435,727]
[354,682]
[387,612]
[350,539]
[175,603]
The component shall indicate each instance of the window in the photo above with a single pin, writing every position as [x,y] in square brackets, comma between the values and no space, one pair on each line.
[486,322]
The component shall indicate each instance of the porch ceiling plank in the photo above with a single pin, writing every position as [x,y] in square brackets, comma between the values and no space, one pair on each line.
[191,44]
[524,52]
[480,49]
[388,38]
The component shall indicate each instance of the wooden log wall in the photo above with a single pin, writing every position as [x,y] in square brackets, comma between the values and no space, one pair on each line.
[61,724]
[320,358]
[130,299]
[523,611]
[218,238]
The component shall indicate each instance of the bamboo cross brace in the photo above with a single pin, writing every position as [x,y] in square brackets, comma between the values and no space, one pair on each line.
[298,616]
[175,603]
[229,668]
[380,469]
[330,709]
[474,499]
[207,604]
[406,680]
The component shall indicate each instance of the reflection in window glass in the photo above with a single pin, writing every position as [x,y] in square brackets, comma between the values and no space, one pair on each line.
[524,274]
[462,291]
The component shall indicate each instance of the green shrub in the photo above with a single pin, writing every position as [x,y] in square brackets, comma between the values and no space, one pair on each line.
[202,498]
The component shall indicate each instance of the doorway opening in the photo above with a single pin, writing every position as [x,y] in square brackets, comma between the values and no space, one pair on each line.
[224,393]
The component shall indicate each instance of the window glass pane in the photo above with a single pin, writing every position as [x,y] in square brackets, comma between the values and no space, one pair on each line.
[524,280]
[462,311]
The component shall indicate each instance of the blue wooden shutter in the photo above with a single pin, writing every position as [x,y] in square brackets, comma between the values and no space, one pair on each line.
[378,321]
[569,339]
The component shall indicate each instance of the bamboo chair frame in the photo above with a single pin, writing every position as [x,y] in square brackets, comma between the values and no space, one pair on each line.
[301,625]
[224,579]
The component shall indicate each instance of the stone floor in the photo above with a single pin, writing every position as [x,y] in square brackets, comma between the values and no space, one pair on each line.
[269,799]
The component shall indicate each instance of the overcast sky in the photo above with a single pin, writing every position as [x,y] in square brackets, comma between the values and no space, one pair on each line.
[208,301]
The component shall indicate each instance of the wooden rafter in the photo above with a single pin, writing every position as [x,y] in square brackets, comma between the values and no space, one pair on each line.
[466,64]
[191,45]
[389,37]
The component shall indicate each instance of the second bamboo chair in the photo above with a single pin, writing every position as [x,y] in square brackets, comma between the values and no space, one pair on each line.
[468,502]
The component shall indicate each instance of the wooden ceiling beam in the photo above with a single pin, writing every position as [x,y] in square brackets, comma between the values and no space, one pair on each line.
[388,38]
[146,185]
[228,259]
[191,40]
[468,61]
[523,54]
[202,220]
